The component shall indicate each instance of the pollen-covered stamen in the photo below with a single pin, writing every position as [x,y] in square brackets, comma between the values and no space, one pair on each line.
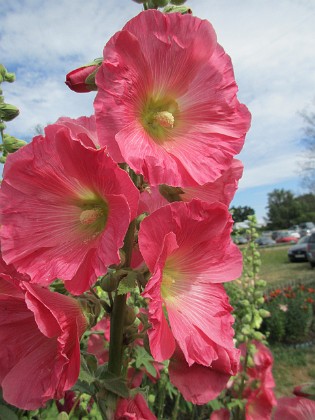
[164,119]
[87,217]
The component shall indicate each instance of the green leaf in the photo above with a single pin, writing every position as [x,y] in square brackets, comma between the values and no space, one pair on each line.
[7,414]
[144,359]
[88,367]
[114,384]
[127,284]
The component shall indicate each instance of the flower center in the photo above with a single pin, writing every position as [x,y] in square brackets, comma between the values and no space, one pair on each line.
[159,117]
[169,278]
[93,214]
[90,216]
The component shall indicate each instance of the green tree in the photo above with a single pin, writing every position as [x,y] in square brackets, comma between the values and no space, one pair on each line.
[283,209]
[241,213]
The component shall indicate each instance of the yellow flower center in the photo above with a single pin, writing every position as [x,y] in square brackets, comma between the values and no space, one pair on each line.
[93,213]
[159,117]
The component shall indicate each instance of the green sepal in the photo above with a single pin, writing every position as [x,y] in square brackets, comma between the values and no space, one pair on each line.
[128,283]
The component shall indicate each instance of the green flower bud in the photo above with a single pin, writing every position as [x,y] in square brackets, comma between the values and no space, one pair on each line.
[63,416]
[264,314]
[2,126]
[3,70]
[130,316]
[12,144]
[109,282]
[9,77]
[177,9]
[3,159]
[8,112]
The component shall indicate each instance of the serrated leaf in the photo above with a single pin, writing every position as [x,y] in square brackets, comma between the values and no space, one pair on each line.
[86,374]
[144,359]
[114,384]
[127,284]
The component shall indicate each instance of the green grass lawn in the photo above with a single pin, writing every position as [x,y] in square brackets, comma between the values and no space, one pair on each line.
[277,269]
[292,366]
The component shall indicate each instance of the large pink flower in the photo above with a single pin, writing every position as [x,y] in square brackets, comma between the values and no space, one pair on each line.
[187,248]
[296,408]
[65,209]
[177,120]
[39,343]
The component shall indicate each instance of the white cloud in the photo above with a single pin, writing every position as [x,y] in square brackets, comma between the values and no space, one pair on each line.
[271,45]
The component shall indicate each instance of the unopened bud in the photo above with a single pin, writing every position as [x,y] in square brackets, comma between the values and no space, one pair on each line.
[9,77]
[177,2]
[8,112]
[3,159]
[130,316]
[12,144]
[82,80]
[109,282]
[177,9]
[63,416]
[2,126]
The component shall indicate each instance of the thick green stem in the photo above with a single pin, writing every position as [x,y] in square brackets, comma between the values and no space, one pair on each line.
[116,335]
[118,313]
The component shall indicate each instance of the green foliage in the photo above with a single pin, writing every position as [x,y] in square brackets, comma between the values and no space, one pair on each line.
[291,314]
[285,210]
[241,213]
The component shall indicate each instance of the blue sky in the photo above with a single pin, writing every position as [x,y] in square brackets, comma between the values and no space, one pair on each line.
[271,44]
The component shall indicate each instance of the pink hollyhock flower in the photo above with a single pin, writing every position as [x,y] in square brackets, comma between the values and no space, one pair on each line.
[197,383]
[64,210]
[177,120]
[296,408]
[188,249]
[134,408]
[39,343]
[222,190]
[259,390]
[98,344]
[82,128]
[222,414]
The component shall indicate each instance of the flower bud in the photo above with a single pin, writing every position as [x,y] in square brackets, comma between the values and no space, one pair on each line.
[130,316]
[9,77]
[177,9]
[109,282]
[8,112]
[12,144]
[82,80]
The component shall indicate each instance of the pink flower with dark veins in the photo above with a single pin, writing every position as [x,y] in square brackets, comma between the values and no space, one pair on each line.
[65,209]
[177,119]
[188,249]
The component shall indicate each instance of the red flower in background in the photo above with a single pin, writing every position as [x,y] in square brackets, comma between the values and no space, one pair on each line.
[177,120]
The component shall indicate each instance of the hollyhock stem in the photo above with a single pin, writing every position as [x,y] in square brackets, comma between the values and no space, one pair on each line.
[118,313]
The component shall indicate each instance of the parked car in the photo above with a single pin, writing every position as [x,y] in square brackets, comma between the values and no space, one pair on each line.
[286,237]
[311,250]
[306,228]
[265,241]
[240,240]
[298,252]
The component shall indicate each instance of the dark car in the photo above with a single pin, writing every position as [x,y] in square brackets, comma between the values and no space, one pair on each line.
[298,252]
[310,249]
